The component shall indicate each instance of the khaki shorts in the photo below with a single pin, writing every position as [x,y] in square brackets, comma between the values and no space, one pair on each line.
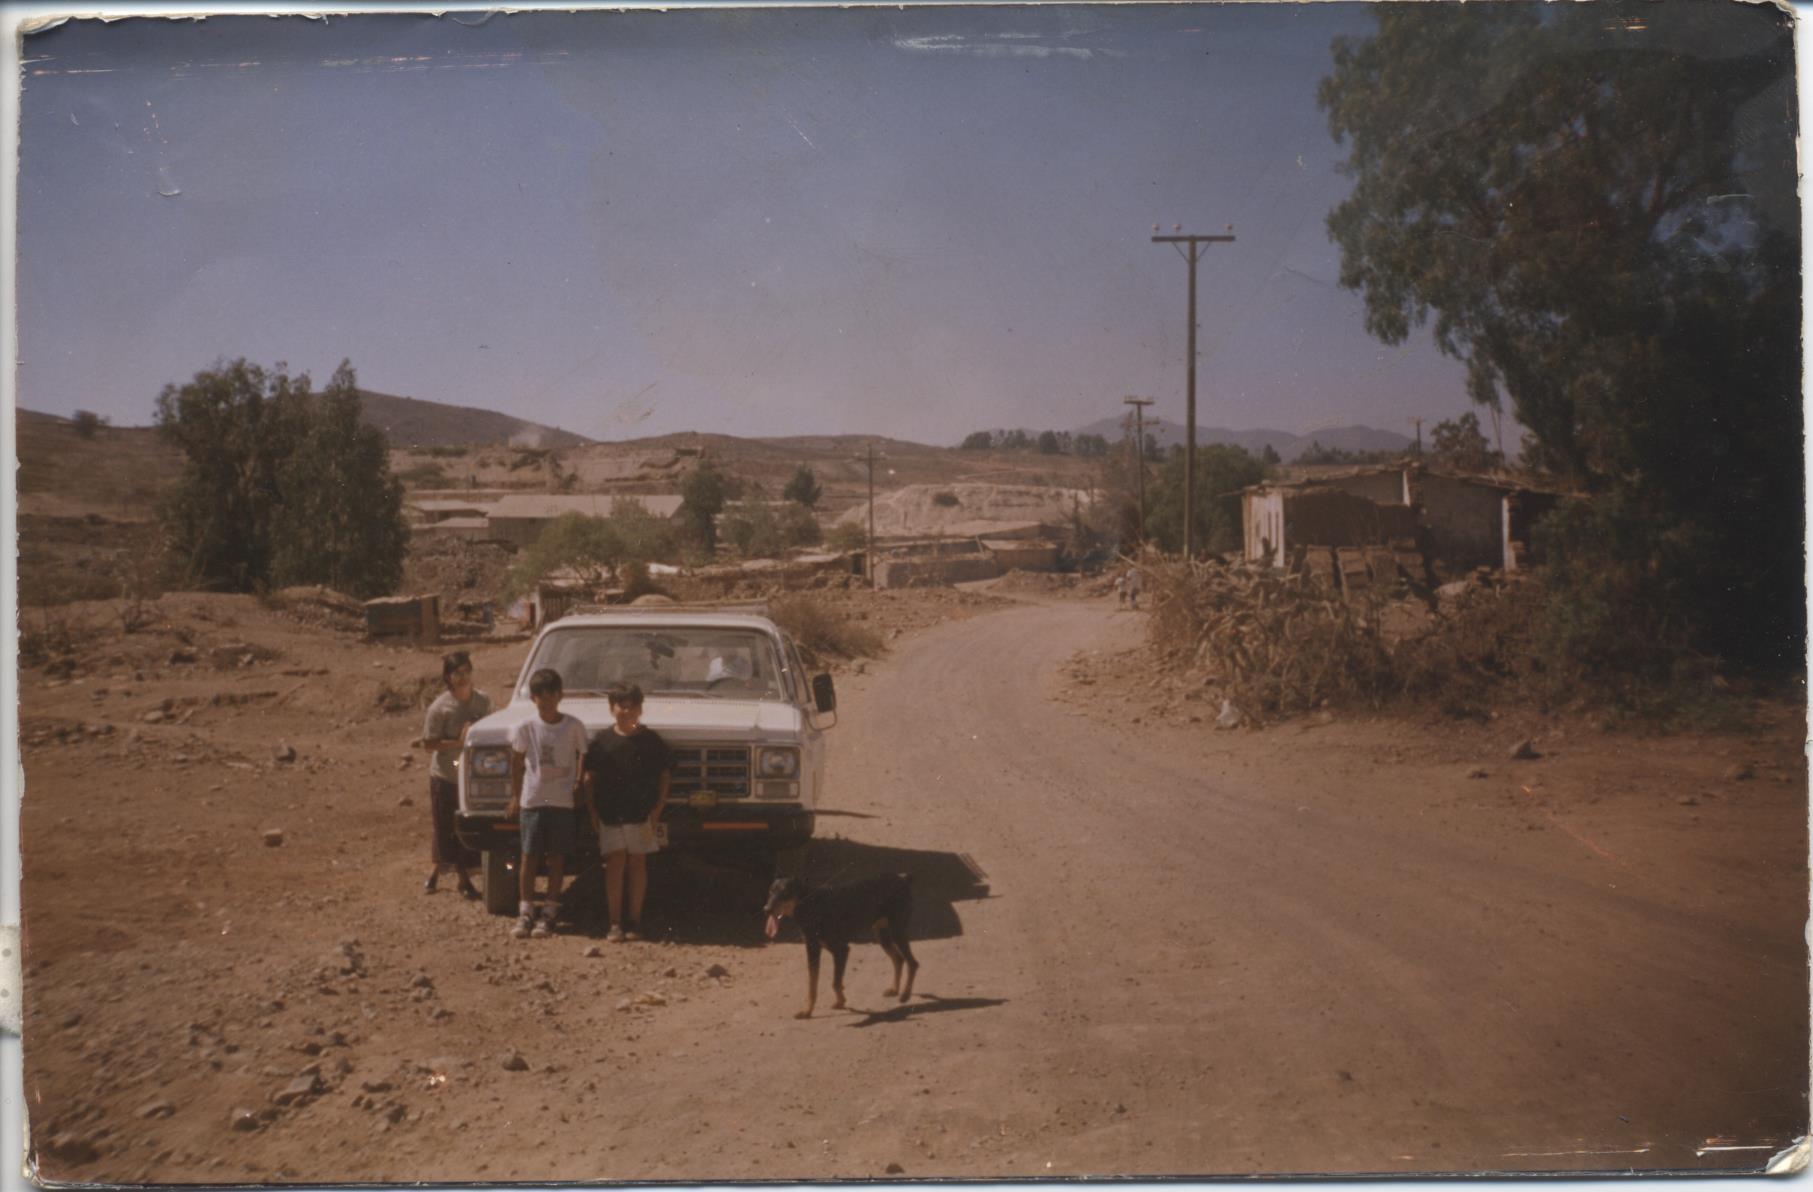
[636,838]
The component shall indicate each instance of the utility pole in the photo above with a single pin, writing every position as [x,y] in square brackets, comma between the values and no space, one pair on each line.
[1191,249]
[869,555]
[1139,405]
[1417,421]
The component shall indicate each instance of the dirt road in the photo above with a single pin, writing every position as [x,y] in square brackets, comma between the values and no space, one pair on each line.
[1148,948]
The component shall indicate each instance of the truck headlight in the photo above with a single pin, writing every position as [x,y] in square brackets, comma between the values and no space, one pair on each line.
[493,762]
[778,763]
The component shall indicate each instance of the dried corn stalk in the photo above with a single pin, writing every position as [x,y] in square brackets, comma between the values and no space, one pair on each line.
[1274,643]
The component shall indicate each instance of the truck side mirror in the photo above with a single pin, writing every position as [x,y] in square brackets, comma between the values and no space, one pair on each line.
[824,695]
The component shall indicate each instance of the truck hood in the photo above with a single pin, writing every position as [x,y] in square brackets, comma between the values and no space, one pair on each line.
[676,719]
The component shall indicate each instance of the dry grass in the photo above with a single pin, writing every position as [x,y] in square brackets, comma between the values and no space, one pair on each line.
[824,630]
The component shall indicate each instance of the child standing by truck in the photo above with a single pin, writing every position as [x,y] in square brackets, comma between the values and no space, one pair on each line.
[545,752]
[628,771]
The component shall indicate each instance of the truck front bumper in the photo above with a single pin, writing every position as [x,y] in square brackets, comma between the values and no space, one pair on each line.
[729,827]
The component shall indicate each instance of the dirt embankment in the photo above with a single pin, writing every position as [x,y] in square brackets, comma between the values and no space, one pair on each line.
[1148,947]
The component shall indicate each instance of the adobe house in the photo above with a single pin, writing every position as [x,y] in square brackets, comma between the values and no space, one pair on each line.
[1458,522]
[1352,508]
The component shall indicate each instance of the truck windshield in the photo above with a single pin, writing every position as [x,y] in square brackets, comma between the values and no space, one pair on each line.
[697,661]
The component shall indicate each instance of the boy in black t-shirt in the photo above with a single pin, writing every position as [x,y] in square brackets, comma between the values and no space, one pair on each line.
[628,769]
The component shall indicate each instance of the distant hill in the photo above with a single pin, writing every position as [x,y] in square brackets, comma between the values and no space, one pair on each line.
[415,422]
[1287,445]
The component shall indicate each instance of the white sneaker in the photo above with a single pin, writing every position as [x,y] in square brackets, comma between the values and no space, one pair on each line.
[524,926]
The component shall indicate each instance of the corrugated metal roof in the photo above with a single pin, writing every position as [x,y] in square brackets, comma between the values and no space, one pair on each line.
[533,506]
[444,504]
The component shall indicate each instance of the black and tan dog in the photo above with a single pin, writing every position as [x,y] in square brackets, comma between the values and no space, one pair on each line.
[830,917]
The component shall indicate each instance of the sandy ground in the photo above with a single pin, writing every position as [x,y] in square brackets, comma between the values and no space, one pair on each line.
[1149,947]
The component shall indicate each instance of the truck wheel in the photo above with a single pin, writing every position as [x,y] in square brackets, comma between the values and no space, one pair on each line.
[788,862]
[500,883]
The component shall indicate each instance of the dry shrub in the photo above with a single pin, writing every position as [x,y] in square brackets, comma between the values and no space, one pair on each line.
[405,696]
[1479,643]
[55,637]
[823,629]
[139,570]
[1275,643]
[1278,644]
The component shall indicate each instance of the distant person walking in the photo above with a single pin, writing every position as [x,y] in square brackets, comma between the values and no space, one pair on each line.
[444,735]
[1133,588]
[1120,591]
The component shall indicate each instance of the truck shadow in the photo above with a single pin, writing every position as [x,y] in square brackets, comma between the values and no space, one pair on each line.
[691,901]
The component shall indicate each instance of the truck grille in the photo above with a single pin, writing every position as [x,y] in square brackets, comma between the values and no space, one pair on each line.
[721,769]
[487,795]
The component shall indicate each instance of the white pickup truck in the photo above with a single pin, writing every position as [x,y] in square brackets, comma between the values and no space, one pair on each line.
[726,690]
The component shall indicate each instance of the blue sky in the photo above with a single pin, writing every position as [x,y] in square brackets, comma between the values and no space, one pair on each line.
[909,222]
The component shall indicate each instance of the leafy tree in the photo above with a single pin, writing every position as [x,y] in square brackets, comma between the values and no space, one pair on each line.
[646,538]
[979,440]
[341,519]
[1600,220]
[1269,456]
[845,536]
[1222,470]
[1091,446]
[1015,440]
[236,426]
[591,547]
[759,529]
[279,484]
[803,488]
[87,423]
[1460,443]
[1048,443]
[702,498]
[596,549]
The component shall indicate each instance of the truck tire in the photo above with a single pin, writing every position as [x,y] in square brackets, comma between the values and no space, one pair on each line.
[500,883]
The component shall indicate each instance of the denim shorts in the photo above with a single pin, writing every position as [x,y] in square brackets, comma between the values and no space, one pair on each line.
[548,831]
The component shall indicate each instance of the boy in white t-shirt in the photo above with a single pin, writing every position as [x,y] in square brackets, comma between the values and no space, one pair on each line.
[545,751]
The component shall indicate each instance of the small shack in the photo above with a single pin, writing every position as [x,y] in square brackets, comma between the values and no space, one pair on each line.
[416,617]
[935,571]
[1279,518]
[1024,554]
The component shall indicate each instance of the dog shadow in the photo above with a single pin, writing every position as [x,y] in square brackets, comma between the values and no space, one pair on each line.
[933,1004]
